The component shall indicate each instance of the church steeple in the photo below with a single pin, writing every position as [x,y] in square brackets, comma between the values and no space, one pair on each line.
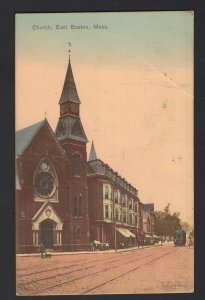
[69,100]
[69,92]
[69,124]
[93,155]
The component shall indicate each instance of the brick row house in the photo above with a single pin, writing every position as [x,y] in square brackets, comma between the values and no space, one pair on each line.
[113,203]
[62,200]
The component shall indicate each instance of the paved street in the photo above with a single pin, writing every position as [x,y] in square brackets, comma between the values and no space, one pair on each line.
[150,270]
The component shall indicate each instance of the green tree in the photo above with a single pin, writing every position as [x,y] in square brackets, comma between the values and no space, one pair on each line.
[187,227]
[166,223]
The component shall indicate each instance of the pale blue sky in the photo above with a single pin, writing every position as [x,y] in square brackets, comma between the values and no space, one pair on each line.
[159,37]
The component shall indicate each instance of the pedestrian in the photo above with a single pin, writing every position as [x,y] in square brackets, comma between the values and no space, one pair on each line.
[142,238]
[190,240]
[42,250]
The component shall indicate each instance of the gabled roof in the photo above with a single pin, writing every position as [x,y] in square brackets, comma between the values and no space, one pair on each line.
[93,155]
[46,203]
[69,91]
[26,135]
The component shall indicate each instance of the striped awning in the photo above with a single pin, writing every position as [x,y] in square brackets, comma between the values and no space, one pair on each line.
[125,232]
[120,230]
[129,233]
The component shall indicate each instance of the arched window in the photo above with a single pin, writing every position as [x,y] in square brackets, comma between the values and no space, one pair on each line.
[80,207]
[75,204]
[76,165]
[45,181]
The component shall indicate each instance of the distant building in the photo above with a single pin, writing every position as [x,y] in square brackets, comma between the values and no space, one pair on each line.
[148,217]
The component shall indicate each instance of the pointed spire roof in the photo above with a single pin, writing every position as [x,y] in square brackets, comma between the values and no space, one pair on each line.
[93,155]
[69,91]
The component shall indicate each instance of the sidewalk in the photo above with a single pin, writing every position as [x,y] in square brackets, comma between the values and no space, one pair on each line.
[87,252]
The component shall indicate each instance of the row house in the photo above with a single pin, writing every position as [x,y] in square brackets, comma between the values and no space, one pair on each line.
[113,203]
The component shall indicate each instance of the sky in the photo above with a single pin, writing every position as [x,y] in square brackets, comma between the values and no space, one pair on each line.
[135,81]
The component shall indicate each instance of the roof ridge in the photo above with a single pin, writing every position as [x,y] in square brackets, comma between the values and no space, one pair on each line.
[23,140]
[17,131]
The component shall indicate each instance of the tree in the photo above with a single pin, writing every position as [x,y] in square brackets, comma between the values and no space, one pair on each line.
[187,227]
[166,223]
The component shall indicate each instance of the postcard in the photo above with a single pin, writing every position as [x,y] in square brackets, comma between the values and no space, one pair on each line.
[104,153]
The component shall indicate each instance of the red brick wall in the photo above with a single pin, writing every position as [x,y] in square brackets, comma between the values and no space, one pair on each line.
[44,144]
[77,187]
[95,198]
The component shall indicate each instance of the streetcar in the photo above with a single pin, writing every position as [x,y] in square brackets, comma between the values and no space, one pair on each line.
[179,237]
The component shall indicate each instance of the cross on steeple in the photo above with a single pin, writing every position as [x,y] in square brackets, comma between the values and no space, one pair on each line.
[69,50]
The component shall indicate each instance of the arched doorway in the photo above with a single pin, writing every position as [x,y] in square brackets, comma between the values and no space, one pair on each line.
[47,233]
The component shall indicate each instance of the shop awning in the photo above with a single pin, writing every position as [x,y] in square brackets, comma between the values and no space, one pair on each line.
[129,233]
[132,234]
[155,236]
[125,232]
[120,230]
[147,235]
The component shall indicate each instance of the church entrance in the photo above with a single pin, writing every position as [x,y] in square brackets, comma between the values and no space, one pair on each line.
[47,233]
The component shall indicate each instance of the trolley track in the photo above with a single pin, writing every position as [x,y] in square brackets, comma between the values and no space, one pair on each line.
[61,268]
[50,287]
[85,261]
[125,273]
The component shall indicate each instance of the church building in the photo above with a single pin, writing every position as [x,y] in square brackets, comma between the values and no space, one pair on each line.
[64,201]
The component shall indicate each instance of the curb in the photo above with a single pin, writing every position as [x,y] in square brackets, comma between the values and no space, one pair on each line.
[86,252]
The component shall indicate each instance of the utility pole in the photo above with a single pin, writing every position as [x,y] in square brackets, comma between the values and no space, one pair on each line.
[114,220]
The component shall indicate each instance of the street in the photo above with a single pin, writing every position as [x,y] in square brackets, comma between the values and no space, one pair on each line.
[157,269]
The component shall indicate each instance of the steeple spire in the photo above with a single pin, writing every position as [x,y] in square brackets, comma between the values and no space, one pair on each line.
[93,155]
[69,125]
[69,92]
